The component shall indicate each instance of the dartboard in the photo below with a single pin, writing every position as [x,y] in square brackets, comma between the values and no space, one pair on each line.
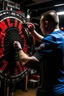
[11,29]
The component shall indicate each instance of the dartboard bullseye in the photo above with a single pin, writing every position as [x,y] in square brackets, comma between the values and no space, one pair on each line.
[11,29]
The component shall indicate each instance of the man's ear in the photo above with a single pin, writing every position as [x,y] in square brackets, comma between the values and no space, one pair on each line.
[46,24]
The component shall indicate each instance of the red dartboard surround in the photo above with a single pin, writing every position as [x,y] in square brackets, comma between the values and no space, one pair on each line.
[11,29]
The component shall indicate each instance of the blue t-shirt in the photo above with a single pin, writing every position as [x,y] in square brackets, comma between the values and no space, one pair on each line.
[51,54]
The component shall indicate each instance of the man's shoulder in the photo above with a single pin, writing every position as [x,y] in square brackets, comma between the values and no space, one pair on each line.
[48,37]
[54,34]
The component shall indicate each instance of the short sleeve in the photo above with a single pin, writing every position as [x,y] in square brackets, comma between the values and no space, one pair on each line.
[47,45]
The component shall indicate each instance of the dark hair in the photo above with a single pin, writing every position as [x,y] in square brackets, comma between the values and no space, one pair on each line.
[51,16]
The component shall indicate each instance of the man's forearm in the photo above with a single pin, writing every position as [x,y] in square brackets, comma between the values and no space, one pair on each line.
[37,36]
[24,57]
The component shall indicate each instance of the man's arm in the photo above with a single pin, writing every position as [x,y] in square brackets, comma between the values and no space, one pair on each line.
[37,36]
[23,56]
[32,30]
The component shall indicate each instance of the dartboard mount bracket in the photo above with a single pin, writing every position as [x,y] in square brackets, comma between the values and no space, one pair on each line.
[11,70]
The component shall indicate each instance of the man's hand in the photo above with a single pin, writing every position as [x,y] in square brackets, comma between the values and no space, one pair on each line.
[30,26]
[17,45]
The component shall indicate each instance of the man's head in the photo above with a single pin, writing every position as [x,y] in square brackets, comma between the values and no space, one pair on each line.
[49,21]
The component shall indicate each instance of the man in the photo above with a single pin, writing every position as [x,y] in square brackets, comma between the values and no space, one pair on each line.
[50,53]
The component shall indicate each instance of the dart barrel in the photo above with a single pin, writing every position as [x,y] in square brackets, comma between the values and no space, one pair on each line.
[11,29]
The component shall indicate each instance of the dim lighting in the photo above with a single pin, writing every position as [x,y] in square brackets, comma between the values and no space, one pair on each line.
[60,13]
[58,5]
[28,16]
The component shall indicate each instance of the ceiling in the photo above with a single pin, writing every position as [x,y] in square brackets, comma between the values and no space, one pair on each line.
[37,7]
[27,2]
